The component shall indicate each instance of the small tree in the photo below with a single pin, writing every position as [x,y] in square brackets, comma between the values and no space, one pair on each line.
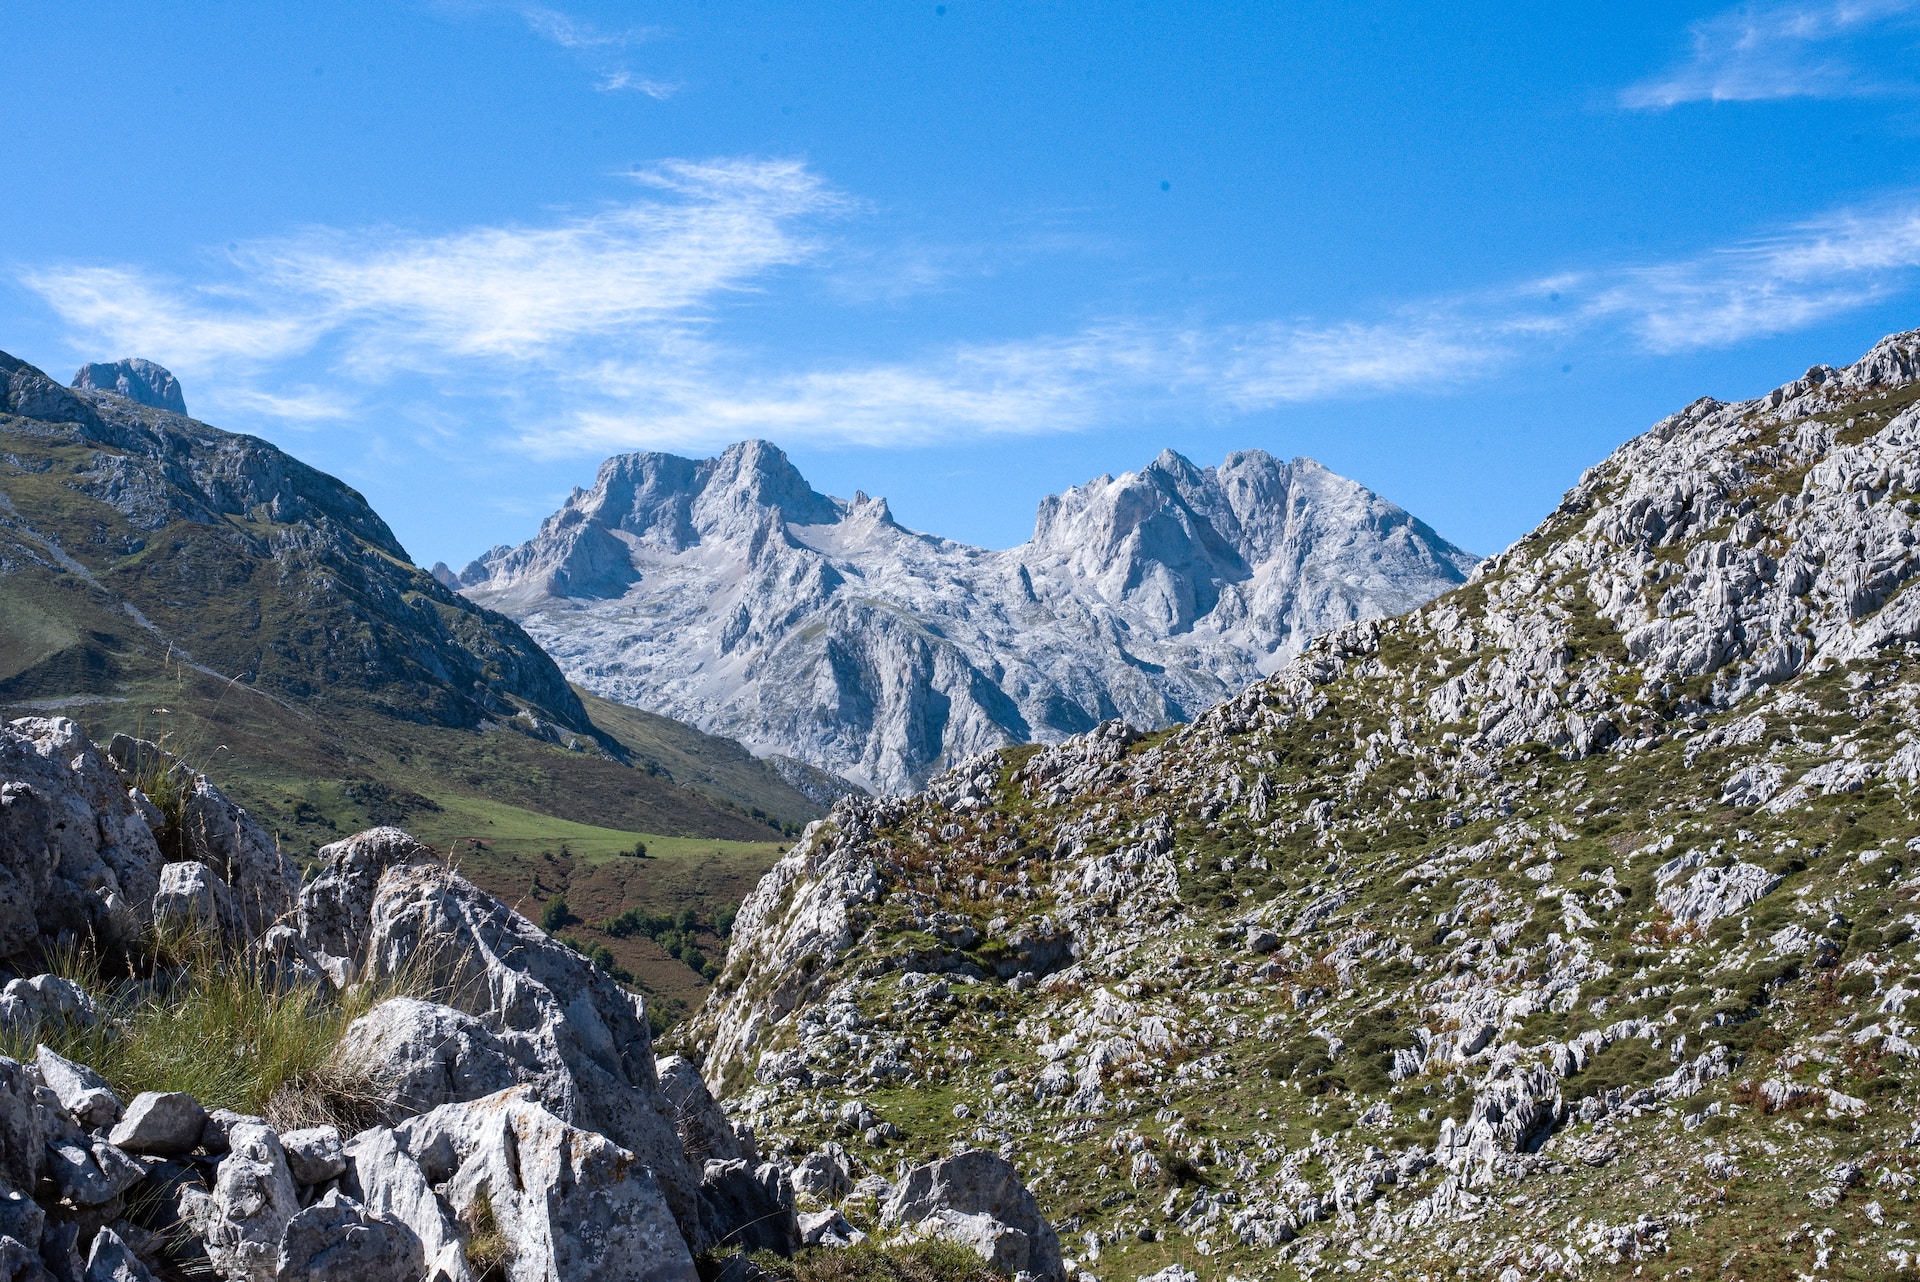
[555,914]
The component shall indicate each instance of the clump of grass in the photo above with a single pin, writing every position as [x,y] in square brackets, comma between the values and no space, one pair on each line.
[210,1019]
[488,1249]
[914,1262]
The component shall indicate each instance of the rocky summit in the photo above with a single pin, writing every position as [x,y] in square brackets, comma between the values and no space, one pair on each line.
[1563,927]
[135,378]
[727,593]
[123,518]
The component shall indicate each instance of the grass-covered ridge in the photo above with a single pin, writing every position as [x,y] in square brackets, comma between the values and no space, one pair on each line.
[1409,883]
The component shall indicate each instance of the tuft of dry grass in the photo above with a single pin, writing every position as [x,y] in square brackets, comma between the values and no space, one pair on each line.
[209,1018]
[488,1249]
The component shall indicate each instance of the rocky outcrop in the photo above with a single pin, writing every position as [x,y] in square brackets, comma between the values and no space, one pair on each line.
[522,1125]
[517,1007]
[1480,939]
[728,593]
[77,860]
[977,1199]
[138,380]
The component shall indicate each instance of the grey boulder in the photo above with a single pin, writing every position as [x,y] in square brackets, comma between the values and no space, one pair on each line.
[253,1201]
[190,899]
[824,1175]
[425,1055]
[43,1001]
[314,1155]
[978,1200]
[161,1124]
[575,1206]
[393,1186]
[112,1260]
[703,1127]
[748,1208]
[338,1240]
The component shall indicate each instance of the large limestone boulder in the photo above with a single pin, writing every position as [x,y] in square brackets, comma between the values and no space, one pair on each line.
[253,1201]
[76,857]
[336,907]
[423,1055]
[573,1205]
[705,1131]
[339,1240]
[393,1186]
[748,1208]
[574,1035]
[977,1199]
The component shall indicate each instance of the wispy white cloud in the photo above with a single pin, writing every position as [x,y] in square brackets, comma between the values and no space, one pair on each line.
[1834,49]
[609,330]
[517,294]
[601,51]
[1774,285]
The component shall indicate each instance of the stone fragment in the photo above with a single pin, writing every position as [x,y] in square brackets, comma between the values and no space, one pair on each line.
[112,1260]
[314,1155]
[338,1240]
[21,1263]
[81,1091]
[161,1123]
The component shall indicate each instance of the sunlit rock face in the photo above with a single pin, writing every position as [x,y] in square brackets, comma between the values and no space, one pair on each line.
[728,593]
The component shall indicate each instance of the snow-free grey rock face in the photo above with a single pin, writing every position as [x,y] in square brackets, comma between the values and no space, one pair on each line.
[1595,874]
[523,1128]
[726,592]
[136,379]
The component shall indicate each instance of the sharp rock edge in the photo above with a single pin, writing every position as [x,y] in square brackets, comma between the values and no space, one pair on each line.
[727,593]
[1564,926]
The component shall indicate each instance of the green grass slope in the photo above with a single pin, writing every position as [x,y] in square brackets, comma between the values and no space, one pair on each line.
[162,578]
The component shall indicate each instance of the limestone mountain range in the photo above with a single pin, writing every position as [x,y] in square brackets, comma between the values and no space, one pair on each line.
[730,594]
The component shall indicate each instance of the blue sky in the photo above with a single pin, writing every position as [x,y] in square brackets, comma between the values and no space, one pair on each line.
[959,254]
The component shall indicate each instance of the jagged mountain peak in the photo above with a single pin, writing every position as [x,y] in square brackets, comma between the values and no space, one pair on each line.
[728,592]
[135,378]
[1558,927]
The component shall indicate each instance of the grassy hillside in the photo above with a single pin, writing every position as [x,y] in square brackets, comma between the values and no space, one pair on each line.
[164,579]
[708,764]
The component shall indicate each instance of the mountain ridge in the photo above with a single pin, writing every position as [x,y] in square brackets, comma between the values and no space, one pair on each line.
[729,593]
[1564,926]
